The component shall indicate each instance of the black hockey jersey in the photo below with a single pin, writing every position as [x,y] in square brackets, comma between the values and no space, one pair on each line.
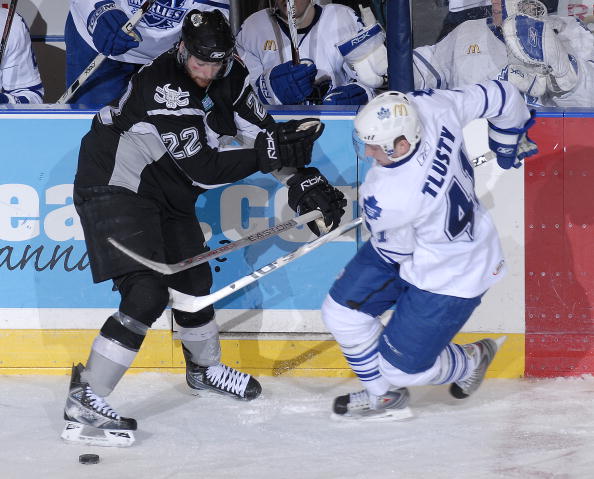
[161,140]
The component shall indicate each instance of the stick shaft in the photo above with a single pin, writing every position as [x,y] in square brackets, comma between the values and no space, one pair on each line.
[292,22]
[204,301]
[7,26]
[98,60]
[209,255]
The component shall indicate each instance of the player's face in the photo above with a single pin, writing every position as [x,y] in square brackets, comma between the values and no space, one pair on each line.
[201,72]
[300,7]
[401,148]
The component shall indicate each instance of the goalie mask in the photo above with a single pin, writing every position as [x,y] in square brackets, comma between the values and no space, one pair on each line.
[532,8]
[208,37]
[383,120]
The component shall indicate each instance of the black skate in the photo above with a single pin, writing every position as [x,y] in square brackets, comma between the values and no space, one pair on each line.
[90,420]
[221,379]
[362,405]
[486,350]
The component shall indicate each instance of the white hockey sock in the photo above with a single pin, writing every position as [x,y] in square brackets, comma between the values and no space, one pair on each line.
[364,361]
[454,364]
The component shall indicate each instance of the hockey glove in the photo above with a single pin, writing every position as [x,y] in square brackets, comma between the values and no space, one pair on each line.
[351,94]
[512,145]
[293,83]
[4,98]
[309,190]
[287,144]
[534,42]
[105,26]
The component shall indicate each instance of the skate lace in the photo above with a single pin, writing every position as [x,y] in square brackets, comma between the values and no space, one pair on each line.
[99,404]
[228,378]
[359,400]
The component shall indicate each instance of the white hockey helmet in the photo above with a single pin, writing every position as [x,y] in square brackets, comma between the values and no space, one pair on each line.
[384,119]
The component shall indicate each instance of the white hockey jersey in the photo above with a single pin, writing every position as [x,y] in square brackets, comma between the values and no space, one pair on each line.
[19,75]
[160,27]
[475,51]
[264,42]
[423,212]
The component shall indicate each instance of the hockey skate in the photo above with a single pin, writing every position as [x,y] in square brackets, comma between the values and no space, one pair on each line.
[90,420]
[485,351]
[221,379]
[365,406]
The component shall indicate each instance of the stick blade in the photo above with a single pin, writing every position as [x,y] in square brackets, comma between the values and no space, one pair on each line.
[154,265]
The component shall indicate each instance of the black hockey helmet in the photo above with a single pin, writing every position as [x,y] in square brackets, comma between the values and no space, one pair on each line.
[208,37]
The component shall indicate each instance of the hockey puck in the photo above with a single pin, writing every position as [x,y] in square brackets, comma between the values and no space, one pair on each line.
[88,458]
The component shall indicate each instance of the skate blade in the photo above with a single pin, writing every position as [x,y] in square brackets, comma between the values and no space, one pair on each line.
[77,433]
[499,341]
[385,415]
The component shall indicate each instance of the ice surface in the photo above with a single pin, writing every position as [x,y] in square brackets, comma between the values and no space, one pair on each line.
[509,429]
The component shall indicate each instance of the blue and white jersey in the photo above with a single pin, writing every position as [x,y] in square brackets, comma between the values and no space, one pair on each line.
[422,211]
[475,51]
[19,75]
[160,27]
[264,42]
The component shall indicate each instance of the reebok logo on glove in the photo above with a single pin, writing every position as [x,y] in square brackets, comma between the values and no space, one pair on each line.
[505,150]
[271,148]
[309,182]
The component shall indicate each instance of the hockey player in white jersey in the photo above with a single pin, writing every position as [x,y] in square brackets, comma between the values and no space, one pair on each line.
[20,81]
[557,71]
[94,26]
[335,50]
[434,250]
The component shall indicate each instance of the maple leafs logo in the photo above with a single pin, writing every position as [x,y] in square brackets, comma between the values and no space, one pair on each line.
[372,210]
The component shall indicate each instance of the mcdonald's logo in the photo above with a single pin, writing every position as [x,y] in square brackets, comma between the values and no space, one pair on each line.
[270,45]
[400,110]
[474,48]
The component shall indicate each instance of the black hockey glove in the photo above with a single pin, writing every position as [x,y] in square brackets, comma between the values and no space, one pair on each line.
[309,190]
[287,144]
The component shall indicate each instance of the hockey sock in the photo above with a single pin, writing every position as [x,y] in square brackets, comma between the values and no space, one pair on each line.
[203,343]
[107,363]
[454,364]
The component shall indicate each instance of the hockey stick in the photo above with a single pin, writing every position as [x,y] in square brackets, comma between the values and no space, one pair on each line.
[481,160]
[98,60]
[7,26]
[182,265]
[201,302]
[292,22]
[215,253]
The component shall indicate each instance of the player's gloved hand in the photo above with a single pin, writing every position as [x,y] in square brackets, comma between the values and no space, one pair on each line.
[534,42]
[287,144]
[105,26]
[293,83]
[351,94]
[309,190]
[3,98]
[512,145]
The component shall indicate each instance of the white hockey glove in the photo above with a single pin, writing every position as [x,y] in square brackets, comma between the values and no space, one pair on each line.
[535,43]
[367,55]
[512,145]
[527,80]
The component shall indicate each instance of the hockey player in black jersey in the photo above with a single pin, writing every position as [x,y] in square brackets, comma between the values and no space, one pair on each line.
[141,168]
